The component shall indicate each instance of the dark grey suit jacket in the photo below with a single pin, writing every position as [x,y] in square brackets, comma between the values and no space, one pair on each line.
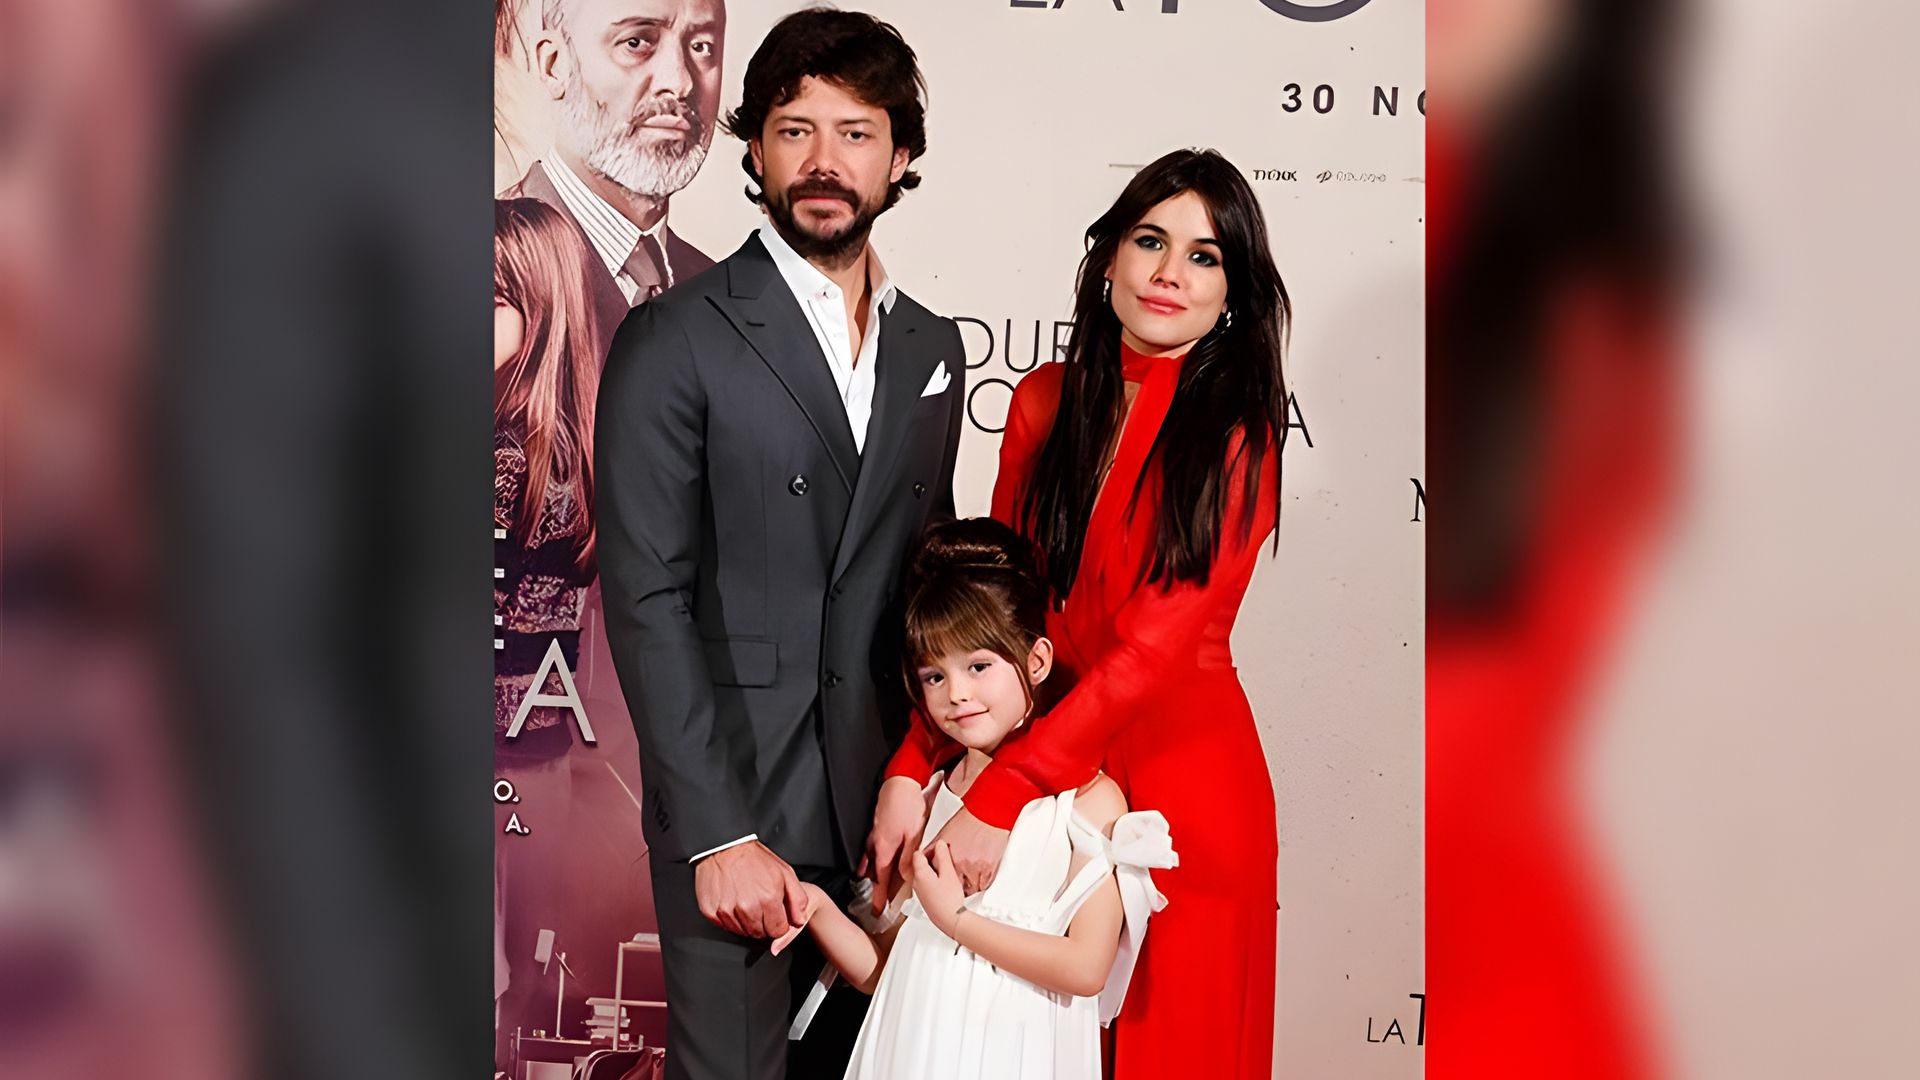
[750,557]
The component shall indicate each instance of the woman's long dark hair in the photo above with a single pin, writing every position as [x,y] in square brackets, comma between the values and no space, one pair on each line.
[1230,385]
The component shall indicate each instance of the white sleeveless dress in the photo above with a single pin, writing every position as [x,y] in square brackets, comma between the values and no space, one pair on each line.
[942,1013]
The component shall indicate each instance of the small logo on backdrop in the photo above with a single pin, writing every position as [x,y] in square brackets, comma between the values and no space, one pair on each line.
[1338,9]
[1393,1031]
[1348,176]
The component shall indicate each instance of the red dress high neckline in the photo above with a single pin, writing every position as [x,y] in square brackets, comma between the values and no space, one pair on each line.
[1136,366]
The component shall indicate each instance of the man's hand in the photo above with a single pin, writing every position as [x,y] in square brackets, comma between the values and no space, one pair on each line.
[750,891]
[898,820]
[975,847]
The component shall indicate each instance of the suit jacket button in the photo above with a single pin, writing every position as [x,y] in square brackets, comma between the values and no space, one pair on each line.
[797,485]
[919,489]
[832,680]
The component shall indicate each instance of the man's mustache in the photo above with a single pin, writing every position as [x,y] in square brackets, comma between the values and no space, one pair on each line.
[666,106]
[819,187]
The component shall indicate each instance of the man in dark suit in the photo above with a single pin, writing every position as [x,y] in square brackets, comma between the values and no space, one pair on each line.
[772,438]
[637,85]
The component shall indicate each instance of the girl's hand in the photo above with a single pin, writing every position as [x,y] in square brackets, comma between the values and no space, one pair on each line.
[817,898]
[937,886]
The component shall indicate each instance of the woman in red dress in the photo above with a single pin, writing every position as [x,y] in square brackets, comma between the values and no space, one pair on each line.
[1146,471]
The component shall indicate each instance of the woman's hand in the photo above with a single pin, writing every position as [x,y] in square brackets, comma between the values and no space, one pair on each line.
[976,849]
[899,818]
[816,898]
[936,884]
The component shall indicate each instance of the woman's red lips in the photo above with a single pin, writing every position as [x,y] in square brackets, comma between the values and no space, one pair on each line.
[1164,307]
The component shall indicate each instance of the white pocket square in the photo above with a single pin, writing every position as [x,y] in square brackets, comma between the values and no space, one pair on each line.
[939,381]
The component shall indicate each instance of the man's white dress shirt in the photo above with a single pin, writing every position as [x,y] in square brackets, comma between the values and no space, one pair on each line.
[612,235]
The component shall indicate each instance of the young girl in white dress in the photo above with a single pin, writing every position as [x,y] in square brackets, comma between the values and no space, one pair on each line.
[1012,983]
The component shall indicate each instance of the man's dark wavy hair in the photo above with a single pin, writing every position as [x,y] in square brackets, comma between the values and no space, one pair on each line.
[855,51]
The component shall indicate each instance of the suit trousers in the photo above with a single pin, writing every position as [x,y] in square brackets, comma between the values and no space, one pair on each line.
[730,1001]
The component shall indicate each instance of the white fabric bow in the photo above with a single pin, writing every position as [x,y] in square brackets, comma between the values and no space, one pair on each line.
[1141,842]
[1142,839]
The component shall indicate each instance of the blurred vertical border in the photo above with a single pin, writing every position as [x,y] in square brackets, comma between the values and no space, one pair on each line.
[1672,604]
[1554,329]
[244,273]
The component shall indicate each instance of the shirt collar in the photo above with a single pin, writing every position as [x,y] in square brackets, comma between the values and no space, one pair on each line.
[806,279]
[613,234]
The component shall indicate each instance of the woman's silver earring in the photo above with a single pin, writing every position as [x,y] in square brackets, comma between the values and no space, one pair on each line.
[1226,320]
[1106,291]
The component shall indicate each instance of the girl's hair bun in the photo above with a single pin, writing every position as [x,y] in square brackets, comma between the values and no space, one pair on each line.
[970,544]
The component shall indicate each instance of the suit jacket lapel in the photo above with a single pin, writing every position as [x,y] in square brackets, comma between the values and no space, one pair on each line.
[763,310]
[905,363]
[609,303]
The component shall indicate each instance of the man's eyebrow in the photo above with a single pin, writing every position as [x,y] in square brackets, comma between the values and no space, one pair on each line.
[639,22]
[661,22]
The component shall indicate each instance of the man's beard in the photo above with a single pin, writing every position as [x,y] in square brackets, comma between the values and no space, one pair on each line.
[846,240]
[617,150]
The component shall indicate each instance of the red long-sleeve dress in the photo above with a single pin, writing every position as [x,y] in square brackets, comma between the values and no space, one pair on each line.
[1155,700]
